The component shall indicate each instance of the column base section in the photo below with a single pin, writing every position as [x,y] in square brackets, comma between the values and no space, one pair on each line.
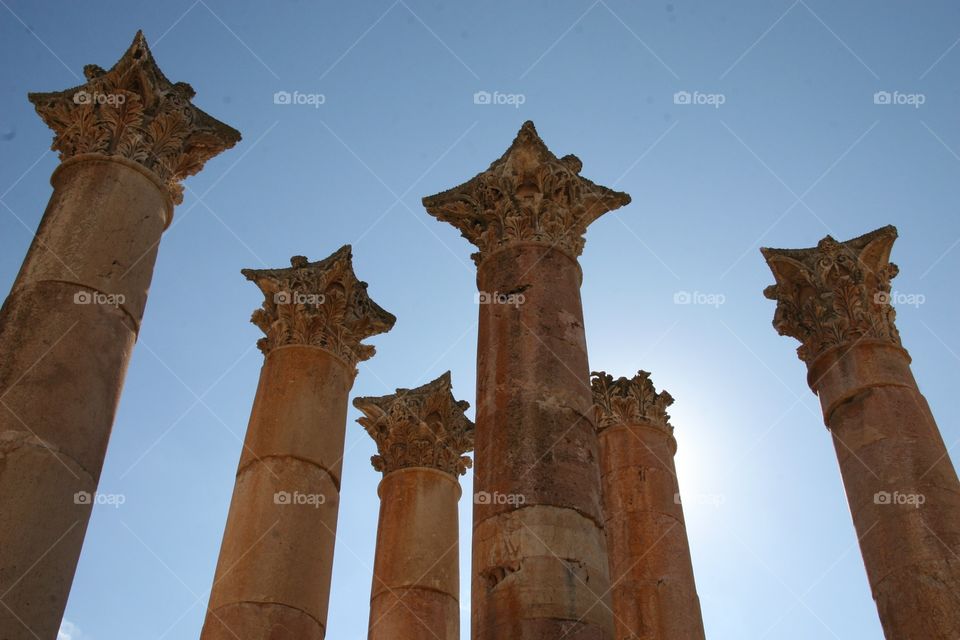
[540,573]
[921,602]
[279,541]
[47,499]
[411,614]
[655,595]
[261,621]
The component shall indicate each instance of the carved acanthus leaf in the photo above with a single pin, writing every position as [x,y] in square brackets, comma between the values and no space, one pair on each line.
[134,112]
[835,293]
[527,195]
[321,304]
[422,427]
[629,401]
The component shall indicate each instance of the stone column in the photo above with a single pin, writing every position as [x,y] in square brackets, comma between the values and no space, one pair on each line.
[67,329]
[539,556]
[654,593]
[901,486]
[421,436]
[273,575]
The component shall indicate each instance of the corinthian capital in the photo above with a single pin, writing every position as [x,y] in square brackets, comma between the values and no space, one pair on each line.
[422,427]
[528,195]
[629,401]
[836,293]
[134,112]
[320,304]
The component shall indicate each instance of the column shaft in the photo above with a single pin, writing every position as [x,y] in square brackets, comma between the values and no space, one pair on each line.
[539,555]
[126,138]
[67,332]
[273,575]
[654,593]
[901,486]
[277,554]
[416,578]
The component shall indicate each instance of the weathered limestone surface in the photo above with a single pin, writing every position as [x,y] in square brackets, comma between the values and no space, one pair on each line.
[900,483]
[654,592]
[421,436]
[539,555]
[273,574]
[67,329]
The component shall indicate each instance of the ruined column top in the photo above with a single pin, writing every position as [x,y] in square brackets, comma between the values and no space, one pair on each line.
[836,294]
[527,195]
[133,112]
[629,401]
[320,304]
[422,427]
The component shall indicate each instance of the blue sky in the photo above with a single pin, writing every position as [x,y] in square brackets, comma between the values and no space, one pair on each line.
[797,149]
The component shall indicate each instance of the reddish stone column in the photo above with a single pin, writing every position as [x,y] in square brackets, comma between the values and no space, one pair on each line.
[901,486]
[273,575]
[653,588]
[67,329]
[539,555]
[421,436]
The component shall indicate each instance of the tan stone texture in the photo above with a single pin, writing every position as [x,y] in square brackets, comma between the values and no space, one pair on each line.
[416,576]
[421,435]
[901,486]
[273,574]
[654,593]
[539,555]
[261,620]
[62,373]
[68,327]
[274,550]
[535,443]
[422,428]
[888,444]
[544,572]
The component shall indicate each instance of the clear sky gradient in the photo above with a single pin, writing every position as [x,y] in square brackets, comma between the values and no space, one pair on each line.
[797,149]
